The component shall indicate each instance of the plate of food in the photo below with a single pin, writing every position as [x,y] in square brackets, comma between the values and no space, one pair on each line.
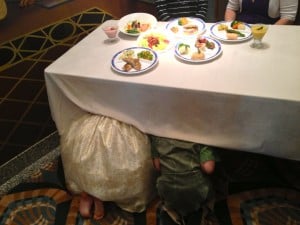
[134,60]
[234,31]
[198,50]
[186,26]
[136,23]
[156,39]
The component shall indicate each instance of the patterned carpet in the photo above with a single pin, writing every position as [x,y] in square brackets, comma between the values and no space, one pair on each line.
[43,199]
[25,116]
[270,206]
[59,35]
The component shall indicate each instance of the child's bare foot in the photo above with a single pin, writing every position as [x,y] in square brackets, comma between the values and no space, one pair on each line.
[85,206]
[99,209]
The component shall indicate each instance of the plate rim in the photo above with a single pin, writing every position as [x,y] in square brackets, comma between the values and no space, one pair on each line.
[132,14]
[155,61]
[188,36]
[227,40]
[200,61]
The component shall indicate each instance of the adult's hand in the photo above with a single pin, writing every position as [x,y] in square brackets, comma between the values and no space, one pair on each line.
[230,15]
[284,21]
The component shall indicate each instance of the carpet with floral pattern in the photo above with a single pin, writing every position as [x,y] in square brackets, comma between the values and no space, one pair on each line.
[257,194]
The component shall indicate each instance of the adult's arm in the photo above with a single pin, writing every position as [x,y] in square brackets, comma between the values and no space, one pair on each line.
[232,7]
[230,15]
[284,21]
[288,11]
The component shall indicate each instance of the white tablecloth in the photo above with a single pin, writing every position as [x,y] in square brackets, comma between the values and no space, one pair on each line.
[247,99]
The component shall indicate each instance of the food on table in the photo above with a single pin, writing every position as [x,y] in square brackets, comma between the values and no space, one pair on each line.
[222,26]
[145,54]
[232,36]
[199,55]
[202,43]
[111,31]
[186,26]
[135,27]
[239,34]
[155,41]
[132,63]
[183,49]
[190,29]
[198,50]
[258,31]
[135,59]
[127,67]
[174,29]
[235,30]
[183,21]
[210,44]
[127,54]
[237,25]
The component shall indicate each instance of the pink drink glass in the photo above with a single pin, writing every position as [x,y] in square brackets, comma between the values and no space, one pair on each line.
[111,29]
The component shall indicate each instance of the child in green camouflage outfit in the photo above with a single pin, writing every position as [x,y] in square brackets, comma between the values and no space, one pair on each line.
[183,184]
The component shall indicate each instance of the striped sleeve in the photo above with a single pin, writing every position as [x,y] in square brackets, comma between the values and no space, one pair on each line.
[169,9]
[202,9]
[162,10]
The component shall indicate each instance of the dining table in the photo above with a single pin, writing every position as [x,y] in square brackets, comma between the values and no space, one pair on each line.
[245,99]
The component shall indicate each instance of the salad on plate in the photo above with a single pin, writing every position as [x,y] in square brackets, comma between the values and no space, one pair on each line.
[156,40]
[136,23]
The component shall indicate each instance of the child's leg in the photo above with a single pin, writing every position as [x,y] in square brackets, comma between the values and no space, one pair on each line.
[99,209]
[85,206]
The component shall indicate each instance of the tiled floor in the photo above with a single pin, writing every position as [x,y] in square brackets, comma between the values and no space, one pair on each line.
[24,110]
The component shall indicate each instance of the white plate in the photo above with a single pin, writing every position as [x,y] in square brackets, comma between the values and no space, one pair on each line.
[143,18]
[210,54]
[166,41]
[117,63]
[181,31]
[221,35]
